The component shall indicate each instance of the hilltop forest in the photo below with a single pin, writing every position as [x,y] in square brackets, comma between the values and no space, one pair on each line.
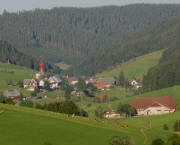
[164,35]
[71,34]
[167,73]
[11,54]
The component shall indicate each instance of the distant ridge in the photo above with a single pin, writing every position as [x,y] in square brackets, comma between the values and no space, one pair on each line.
[72,34]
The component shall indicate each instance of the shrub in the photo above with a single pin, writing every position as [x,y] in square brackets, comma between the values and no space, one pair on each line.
[83,113]
[165,127]
[158,142]
[9,101]
[99,112]
[27,104]
[89,105]
[177,126]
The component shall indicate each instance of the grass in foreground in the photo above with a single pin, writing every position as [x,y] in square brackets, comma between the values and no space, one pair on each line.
[21,126]
[135,68]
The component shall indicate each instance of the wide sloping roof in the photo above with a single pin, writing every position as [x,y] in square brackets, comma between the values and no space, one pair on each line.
[11,93]
[143,103]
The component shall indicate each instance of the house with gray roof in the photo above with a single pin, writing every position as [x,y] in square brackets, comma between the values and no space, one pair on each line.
[13,94]
[54,82]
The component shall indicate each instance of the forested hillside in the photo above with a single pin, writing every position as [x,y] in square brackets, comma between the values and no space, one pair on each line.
[161,36]
[69,34]
[167,73]
[11,54]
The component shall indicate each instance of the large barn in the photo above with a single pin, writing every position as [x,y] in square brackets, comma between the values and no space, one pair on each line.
[154,105]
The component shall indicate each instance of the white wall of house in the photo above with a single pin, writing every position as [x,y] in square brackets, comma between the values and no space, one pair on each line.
[154,111]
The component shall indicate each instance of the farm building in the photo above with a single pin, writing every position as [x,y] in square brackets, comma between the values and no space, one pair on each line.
[30,84]
[136,84]
[13,94]
[110,113]
[100,86]
[72,80]
[107,81]
[54,82]
[154,106]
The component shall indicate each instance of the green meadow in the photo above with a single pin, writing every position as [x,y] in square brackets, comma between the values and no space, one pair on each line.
[25,126]
[135,68]
[12,74]
[127,97]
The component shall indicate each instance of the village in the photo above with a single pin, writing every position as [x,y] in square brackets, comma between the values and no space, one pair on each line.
[141,106]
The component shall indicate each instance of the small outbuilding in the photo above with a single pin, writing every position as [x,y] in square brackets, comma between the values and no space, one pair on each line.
[110,113]
[12,94]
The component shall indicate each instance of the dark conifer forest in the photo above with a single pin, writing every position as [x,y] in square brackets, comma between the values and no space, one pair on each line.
[71,34]
[10,54]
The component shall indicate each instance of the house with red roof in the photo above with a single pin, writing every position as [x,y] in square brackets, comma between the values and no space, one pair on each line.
[100,86]
[154,105]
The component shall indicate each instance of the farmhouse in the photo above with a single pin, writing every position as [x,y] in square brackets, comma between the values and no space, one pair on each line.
[154,106]
[136,84]
[107,81]
[110,113]
[72,80]
[100,86]
[30,84]
[54,82]
[12,94]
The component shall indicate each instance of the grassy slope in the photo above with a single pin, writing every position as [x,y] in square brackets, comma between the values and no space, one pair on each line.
[135,67]
[21,126]
[14,74]
[123,97]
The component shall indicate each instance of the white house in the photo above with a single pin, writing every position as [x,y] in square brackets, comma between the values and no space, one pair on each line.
[154,106]
[136,84]
[30,84]
[41,83]
[54,82]
[110,113]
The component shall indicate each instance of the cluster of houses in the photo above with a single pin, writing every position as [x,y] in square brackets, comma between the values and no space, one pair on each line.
[99,83]
[32,84]
[103,83]
[148,106]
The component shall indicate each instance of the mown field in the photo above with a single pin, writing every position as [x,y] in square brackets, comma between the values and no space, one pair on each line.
[25,126]
[135,68]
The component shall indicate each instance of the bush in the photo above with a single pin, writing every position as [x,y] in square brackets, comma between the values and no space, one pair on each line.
[116,140]
[158,142]
[126,109]
[99,112]
[165,127]
[83,113]
[27,104]
[89,105]
[177,126]
[9,101]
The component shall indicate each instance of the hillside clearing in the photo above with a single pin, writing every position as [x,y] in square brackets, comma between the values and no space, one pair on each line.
[135,68]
